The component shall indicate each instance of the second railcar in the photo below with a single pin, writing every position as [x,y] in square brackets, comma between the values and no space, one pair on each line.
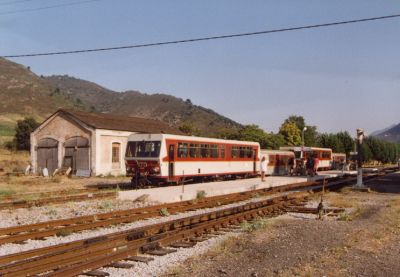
[164,158]
[324,155]
[278,161]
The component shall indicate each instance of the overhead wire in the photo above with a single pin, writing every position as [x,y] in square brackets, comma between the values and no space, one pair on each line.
[336,23]
[48,7]
[13,2]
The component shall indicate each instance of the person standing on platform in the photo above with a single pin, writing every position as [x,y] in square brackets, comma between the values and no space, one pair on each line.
[263,168]
[315,164]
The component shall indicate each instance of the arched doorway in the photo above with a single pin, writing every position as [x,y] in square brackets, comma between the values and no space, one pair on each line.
[76,154]
[47,155]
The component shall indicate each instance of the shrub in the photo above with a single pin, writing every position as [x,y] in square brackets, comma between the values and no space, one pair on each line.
[254,225]
[5,192]
[164,212]
[106,205]
[201,194]
[63,233]
[23,132]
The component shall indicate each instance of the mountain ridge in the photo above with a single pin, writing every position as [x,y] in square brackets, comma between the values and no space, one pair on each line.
[391,134]
[24,93]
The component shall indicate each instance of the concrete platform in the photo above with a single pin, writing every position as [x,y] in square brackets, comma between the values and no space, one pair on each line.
[188,192]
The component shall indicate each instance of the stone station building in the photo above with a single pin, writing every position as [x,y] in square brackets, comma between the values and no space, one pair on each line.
[91,144]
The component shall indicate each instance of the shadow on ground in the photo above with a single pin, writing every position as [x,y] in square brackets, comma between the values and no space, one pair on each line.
[386,184]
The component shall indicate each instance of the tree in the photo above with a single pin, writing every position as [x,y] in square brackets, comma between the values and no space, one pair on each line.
[23,132]
[251,133]
[274,141]
[189,129]
[347,142]
[298,120]
[331,141]
[311,135]
[291,133]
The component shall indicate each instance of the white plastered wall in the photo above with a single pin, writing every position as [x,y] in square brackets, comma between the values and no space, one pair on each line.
[102,151]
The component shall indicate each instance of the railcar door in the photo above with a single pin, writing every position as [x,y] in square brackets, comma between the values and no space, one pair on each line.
[277,164]
[171,161]
[254,161]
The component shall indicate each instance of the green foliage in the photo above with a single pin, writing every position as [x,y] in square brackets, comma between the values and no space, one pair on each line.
[380,150]
[189,129]
[347,142]
[310,135]
[252,133]
[164,212]
[201,194]
[7,130]
[274,141]
[254,225]
[63,233]
[6,192]
[373,149]
[296,119]
[23,131]
[331,141]
[291,133]
[249,133]
[106,205]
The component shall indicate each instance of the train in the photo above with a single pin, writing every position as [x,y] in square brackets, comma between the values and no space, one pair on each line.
[324,155]
[173,159]
[165,158]
[278,161]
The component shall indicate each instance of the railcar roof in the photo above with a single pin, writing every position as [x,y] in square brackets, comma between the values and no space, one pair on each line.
[270,151]
[294,148]
[193,138]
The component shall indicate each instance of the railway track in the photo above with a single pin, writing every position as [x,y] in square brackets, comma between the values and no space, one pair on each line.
[41,230]
[84,256]
[73,258]
[27,200]
[49,228]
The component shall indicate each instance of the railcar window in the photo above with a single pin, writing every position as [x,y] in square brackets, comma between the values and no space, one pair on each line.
[234,152]
[272,158]
[326,155]
[222,151]
[142,149]
[182,150]
[205,150]
[214,150]
[194,150]
[249,152]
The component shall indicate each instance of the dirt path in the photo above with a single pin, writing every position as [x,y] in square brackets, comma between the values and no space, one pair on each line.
[363,242]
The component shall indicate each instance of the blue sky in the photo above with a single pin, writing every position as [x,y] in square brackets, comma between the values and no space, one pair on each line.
[338,78]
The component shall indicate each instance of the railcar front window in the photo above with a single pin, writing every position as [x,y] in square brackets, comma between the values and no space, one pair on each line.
[143,149]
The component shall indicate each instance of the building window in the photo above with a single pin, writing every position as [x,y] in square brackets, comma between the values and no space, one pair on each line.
[116,147]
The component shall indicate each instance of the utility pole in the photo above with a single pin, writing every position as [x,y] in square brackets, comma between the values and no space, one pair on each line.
[302,142]
[360,156]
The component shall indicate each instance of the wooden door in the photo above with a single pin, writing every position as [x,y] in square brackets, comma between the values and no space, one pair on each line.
[171,163]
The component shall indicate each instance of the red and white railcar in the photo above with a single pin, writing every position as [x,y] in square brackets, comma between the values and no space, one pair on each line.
[338,160]
[324,155]
[278,161]
[164,158]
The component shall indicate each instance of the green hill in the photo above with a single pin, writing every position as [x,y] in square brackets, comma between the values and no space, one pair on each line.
[23,93]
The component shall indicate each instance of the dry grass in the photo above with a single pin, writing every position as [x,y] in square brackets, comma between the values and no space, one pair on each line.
[338,200]
[11,161]
[37,184]
[385,227]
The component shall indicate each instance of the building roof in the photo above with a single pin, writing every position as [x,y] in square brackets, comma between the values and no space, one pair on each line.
[120,123]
